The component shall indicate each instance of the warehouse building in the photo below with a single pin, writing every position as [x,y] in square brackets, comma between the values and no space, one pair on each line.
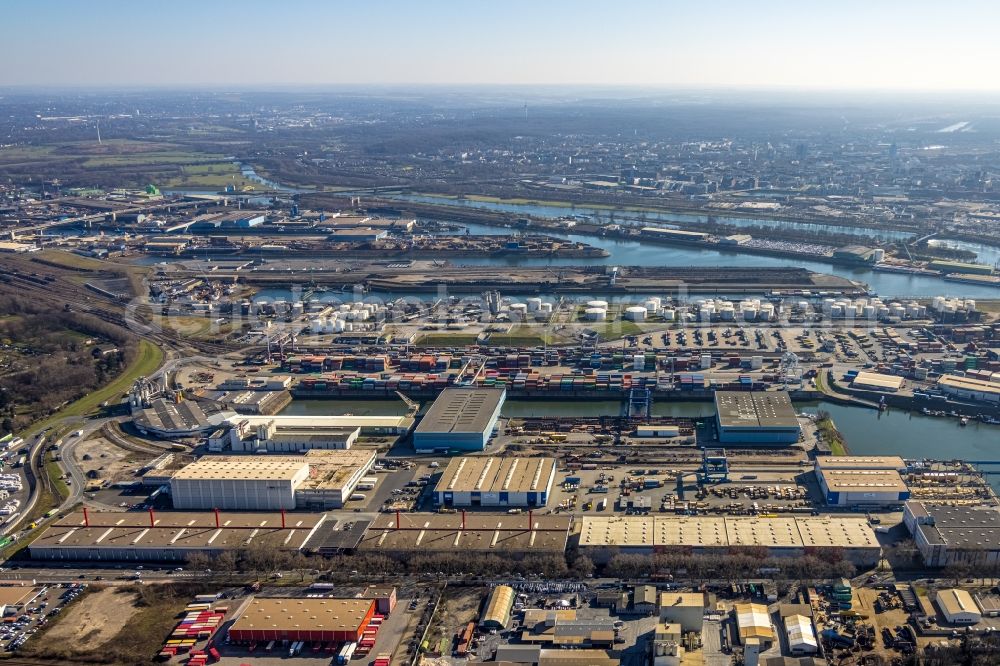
[857,253]
[800,634]
[862,480]
[686,609]
[460,418]
[369,425]
[319,479]
[957,607]
[501,482]
[875,381]
[967,388]
[498,608]
[793,536]
[402,534]
[756,417]
[754,623]
[174,420]
[297,619]
[166,536]
[674,234]
[948,534]
[242,484]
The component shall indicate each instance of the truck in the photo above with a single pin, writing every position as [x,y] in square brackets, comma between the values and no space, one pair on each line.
[366,486]
[346,653]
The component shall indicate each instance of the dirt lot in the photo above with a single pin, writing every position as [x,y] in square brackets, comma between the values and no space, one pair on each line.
[111,462]
[95,620]
[458,607]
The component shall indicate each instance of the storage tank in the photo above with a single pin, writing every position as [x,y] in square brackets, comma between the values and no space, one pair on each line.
[534,304]
[595,314]
[851,311]
[756,362]
[598,304]
[766,311]
[706,361]
[669,315]
[727,313]
[545,307]
[338,325]
[635,313]
[519,308]
[652,305]
[868,312]
[837,311]
[879,255]
[750,314]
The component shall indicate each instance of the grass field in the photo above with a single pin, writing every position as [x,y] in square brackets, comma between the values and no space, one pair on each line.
[446,340]
[71,260]
[149,358]
[829,433]
[216,175]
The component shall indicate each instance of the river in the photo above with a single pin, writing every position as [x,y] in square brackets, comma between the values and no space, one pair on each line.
[606,215]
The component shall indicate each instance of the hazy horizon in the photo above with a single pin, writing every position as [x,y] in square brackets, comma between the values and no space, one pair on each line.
[917,46]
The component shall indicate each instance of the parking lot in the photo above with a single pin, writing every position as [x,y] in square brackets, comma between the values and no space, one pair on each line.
[17,627]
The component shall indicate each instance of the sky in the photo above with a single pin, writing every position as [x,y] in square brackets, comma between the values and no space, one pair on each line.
[885,45]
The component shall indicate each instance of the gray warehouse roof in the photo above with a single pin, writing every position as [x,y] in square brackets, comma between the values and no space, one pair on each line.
[461,410]
[757,409]
[958,526]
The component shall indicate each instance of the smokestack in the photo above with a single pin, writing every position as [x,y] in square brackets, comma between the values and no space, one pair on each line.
[86,518]
[152,517]
[216,518]
[282,519]
[397,519]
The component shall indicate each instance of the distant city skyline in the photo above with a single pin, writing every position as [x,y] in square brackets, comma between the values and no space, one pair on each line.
[914,45]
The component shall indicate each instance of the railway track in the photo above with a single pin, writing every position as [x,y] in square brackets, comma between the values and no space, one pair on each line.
[60,292]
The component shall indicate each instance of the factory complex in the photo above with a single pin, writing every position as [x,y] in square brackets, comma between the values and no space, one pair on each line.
[500,482]
[756,417]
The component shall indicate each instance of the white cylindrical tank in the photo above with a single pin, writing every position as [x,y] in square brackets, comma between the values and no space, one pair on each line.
[338,325]
[837,311]
[534,304]
[598,304]
[851,311]
[519,308]
[749,314]
[727,313]
[635,313]
[669,315]
[545,307]
[595,314]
